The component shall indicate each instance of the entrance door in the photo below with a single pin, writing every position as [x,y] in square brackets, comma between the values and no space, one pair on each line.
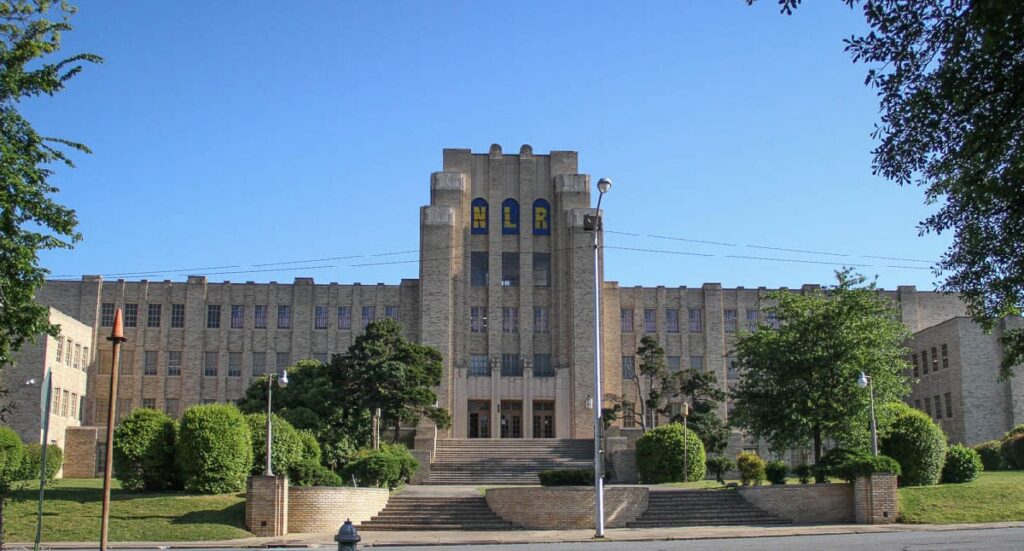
[543,419]
[511,419]
[479,419]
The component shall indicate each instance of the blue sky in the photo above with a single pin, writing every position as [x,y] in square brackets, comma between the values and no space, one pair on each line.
[232,135]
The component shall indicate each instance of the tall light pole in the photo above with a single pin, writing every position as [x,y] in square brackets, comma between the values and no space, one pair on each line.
[116,338]
[865,381]
[592,223]
[283,381]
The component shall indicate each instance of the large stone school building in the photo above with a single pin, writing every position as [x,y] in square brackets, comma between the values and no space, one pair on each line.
[505,292]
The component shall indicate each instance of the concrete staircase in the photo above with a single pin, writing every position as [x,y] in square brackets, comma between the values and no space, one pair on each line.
[437,513]
[702,508]
[505,461]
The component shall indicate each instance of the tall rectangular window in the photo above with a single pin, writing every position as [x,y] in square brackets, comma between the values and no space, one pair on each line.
[127,365]
[509,269]
[628,367]
[938,407]
[259,363]
[949,405]
[542,366]
[65,397]
[924,363]
[320,317]
[628,416]
[173,363]
[107,314]
[149,362]
[510,319]
[234,364]
[172,407]
[86,359]
[478,366]
[124,408]
[675,363]
[478,268]
[259,318]
[178,315]
[344,318]
[369,314]
[511,366]
[696,321]
[935,359]
[55,404]
[213,316]
[67,358]
[149,403]
[753,317]
[541,269]
[772,319]
[732,368]
[731,321]
[650,320]
[626,315]
[131,315]
[60,348]
[697,362]
[945,356]
[237,316]
[913,361]
[928,406]
[284,359]
[477,319]
[672,320]
[391,312]
[210,364]
[74,405]
[78,356]
[153,315]
[541,319]
[284,316]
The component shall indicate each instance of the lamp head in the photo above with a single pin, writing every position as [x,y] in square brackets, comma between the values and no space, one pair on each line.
[862,380]
[283,379]
[603,185]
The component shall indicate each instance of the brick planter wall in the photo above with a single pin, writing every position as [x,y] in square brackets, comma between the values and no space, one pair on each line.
[875,499]
[555,508]
[266,505]
[325,509]
[804,503]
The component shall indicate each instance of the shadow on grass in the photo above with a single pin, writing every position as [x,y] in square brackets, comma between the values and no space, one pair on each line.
[233,516]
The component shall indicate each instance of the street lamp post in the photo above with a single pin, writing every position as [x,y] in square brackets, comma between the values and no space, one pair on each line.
[865,381]
[283,381]
[592,223]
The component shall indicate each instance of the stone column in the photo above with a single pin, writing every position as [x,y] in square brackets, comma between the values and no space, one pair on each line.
[874,499]
[266,505]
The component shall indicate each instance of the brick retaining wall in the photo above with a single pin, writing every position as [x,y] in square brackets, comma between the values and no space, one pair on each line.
[567,506]
[804,503]
[325,509]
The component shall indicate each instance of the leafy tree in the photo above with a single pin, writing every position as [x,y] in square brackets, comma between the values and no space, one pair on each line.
[30,220]
[799,383]
[949,75]
[144,451]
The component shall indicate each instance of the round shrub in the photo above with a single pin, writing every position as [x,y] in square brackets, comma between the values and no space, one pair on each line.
[775,472]
[32,456]
[660,456]
[288,449]
[378,468]
[962,465]
[991,456]
[214,449]
[840,463]
[311,473]
[310,446]
[11,452]
[407,464]
[144,451]
[804,472]
[1012,450]
[751,468]
[719,465]
[917,443]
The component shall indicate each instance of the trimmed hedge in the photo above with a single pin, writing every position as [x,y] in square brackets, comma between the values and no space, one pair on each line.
[11,452]
[962,465]
[804,472]
[386,467]
[566,477]
[659,455]
[991,456]
[850,465]
[917,443]
[144,451]
[214,449]
[311,473]
[288,448]
[32,456]
[751,467]
[775,472]
[1012,450]
[719,465]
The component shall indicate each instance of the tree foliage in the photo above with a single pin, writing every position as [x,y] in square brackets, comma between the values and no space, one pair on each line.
[670,453]
[214,452]
[798,383]
[144,451]
[30,220]
[949,75]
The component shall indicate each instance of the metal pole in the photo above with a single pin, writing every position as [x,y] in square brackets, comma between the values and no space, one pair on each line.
[116,337]
[598,463]
[270,384]
[874,428]
[48,389]
[686,450]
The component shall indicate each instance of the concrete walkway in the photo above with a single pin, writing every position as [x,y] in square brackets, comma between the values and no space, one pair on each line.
[383,539]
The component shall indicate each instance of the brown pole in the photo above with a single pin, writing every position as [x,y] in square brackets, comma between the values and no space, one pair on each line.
[116,337]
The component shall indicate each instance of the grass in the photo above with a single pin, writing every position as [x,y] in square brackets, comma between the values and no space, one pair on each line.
[993,497]
[71,512]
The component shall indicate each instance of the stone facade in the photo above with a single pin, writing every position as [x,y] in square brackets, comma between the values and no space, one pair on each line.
[325,509]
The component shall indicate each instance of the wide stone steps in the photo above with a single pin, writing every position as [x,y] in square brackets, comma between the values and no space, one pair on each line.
[436,513]
[505,461]
[702,508]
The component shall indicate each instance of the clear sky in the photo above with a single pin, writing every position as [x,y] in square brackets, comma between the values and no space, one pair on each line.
[232,137]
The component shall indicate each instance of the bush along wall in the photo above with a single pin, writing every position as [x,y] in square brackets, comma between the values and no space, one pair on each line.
[963,464]
[214,449]
[751,468]
[990,454]
[917,443]
[660,457]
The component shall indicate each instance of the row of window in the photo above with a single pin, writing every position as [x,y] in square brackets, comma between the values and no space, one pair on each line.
[211,362]
[938,406]
[509,319]
[172,407]
[479,268]
[922,368]
[695,319]
[260,316]
[67,404]
[510,216]
[72,354]
[511,365]
[674,363]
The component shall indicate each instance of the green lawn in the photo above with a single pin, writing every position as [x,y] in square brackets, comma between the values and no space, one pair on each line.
[993,497]
[72,513]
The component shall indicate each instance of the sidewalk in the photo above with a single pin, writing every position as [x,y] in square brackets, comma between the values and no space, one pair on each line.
[384,539]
